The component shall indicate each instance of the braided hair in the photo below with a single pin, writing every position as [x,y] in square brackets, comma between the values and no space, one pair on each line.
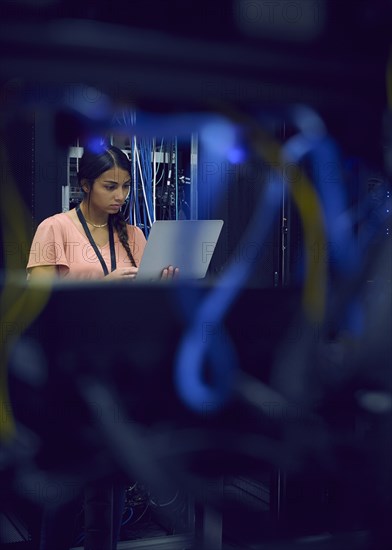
[120,225]
[91,165]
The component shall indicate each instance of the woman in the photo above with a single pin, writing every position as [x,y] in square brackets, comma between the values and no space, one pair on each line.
[92,241]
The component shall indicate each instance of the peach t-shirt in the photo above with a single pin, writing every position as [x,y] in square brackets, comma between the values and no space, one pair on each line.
[59,242]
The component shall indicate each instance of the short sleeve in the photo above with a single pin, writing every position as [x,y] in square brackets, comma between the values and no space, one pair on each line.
[48,248]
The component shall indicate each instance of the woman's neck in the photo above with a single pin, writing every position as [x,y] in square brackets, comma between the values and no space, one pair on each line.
[93,216]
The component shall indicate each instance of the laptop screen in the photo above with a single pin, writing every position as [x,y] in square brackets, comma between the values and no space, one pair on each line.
[186,244]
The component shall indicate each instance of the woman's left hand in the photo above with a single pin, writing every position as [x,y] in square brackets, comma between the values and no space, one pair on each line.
[170,272]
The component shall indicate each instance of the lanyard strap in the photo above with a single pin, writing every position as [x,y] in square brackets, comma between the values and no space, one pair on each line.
[93,244]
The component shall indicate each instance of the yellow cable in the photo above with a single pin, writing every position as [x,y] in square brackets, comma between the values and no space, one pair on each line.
[19,305]
[312,218]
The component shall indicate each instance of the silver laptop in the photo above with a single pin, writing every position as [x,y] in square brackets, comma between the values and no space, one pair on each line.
[186,244]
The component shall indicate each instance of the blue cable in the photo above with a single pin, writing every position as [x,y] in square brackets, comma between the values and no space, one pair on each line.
[147,173]
[131,513]
[176,174]
[193,348]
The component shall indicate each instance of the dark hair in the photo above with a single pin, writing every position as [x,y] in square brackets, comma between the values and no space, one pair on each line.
[91,166]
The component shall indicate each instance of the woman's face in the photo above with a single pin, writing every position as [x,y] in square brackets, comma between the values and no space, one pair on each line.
[110,190]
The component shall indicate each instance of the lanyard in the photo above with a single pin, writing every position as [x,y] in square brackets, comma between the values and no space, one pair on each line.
[93,244]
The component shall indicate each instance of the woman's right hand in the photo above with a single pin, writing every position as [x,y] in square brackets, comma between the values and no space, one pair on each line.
[122,274]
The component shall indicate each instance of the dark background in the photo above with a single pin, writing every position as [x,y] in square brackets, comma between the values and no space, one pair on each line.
[167,57]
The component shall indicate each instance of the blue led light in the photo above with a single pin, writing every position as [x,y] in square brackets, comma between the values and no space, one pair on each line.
[96,144]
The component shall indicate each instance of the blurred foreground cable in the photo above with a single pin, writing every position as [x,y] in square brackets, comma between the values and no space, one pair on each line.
[17,309]
[193,350]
